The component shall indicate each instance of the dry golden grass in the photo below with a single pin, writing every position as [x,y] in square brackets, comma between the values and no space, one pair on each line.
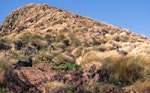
[50,87]
[128,70]
[98,56]
[78,51]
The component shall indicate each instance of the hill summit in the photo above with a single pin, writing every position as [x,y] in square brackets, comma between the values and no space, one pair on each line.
[69,46]
[43,19]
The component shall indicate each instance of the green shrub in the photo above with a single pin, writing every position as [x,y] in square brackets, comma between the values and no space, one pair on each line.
[70,89]
[66,66]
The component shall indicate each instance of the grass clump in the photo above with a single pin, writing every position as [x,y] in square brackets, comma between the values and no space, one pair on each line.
[127,70]
[4,90]
[49,38]
[3,68]
[43,57]
[123,71]
[38,43]
[99,87]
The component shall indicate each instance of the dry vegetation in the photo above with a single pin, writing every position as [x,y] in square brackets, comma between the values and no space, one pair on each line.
[31,29]
[130,74]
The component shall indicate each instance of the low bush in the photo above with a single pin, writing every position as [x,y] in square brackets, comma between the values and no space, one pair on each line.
[66,66]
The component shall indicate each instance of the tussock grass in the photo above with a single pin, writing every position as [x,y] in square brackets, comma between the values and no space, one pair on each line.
[43,56]
[74,40]
[30,39]
[5,40]
[126,70]
[131,73]
[3,68]
[34,32]
[60,37]
[58,59]
[96,56]
[49,38]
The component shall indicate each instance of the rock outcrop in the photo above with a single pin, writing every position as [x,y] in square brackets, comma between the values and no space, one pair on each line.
[35,79]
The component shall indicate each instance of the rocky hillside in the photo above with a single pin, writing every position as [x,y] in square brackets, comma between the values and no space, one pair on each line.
[43,20]
[69,52]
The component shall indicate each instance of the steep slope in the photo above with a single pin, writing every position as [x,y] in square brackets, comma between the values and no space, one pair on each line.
[65,45]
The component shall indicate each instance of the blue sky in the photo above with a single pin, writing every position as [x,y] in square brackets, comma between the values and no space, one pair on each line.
[130,14]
